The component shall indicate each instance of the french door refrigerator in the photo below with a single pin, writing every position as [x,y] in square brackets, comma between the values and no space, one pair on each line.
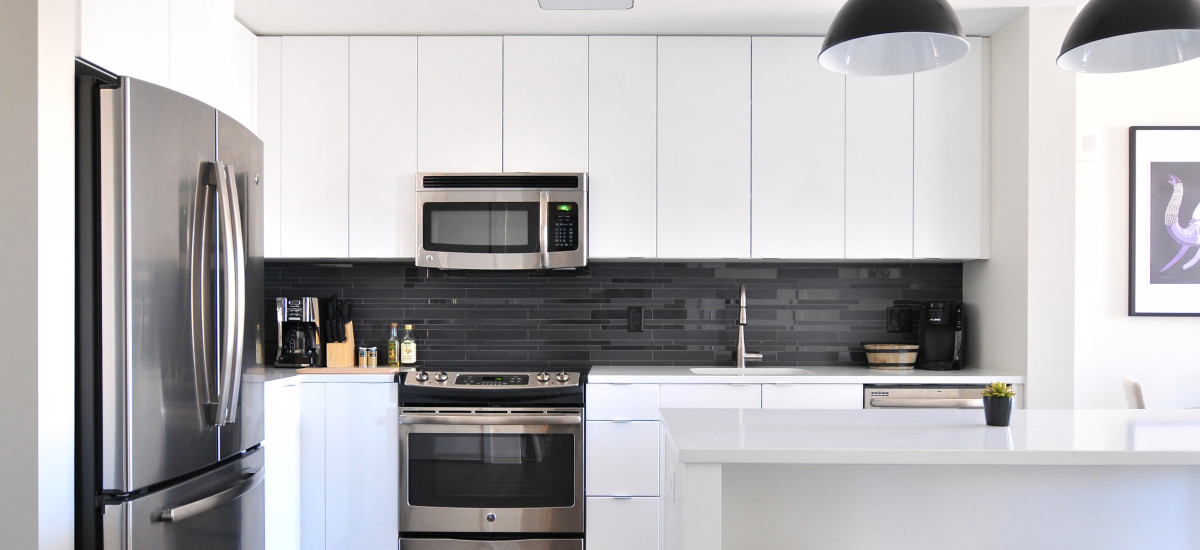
[169,312]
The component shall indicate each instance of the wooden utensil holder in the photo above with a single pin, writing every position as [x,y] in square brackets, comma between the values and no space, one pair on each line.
[341,354]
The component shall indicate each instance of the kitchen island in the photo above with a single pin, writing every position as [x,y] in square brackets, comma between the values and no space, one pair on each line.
[931,479]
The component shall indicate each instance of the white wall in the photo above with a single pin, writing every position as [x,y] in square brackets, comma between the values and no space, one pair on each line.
[18,273]
[1022,297]
[37,44]
[1160,352]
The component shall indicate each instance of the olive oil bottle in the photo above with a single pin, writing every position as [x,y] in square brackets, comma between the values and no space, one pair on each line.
[408,347]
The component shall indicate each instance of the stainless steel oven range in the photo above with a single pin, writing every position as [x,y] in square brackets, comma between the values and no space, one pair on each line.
[492,459]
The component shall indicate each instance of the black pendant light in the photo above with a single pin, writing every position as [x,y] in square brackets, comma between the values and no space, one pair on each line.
[1113,36]
[891,37]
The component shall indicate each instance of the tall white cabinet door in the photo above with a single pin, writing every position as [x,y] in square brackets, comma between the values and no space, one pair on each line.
[950,188]
[270,120]
[362,451]
[703,147]
[545,103]
[799,155]
[128,37]
[622,141]
[383,146]
[459,103]
[879,167]
[312,466]
[281,428]
[314,153]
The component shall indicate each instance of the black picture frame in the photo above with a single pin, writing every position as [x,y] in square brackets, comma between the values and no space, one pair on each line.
[1164,221]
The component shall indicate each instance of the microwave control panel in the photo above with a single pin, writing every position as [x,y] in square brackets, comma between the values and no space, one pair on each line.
[564,226]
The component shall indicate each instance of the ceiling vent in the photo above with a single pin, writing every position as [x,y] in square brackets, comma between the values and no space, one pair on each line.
[585,4]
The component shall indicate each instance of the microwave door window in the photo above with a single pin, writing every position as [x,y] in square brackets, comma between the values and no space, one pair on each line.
[491,470]
[484,227]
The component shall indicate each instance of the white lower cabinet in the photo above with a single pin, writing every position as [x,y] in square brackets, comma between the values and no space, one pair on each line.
[622,523]
[362,457]
[333,465]
[812,396]
[622,458]
[710,396]
[281,418]
[622,402]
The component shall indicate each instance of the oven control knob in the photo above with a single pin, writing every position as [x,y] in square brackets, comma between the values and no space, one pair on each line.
[543,377]
[441,376]
[562,376]
[422,376]
[490,517]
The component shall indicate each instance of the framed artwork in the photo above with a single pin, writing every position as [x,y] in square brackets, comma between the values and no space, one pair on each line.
[1164,220]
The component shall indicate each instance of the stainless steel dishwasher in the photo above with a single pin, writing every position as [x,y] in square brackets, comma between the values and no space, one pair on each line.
[923,396]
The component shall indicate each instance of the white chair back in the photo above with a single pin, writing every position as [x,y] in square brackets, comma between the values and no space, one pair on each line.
[1133,393]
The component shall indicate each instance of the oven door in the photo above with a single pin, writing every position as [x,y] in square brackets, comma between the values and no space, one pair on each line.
[501,229]
[491,471]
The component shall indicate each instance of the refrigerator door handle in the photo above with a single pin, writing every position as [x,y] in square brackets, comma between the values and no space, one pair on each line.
[238,330]
[214,501]
[227,251]
[202,304]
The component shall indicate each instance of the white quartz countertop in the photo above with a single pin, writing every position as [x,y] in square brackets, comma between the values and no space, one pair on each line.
[821,375]
[935,436]
[280,375]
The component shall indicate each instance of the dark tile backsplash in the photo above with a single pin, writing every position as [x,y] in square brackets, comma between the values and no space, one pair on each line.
[799,314]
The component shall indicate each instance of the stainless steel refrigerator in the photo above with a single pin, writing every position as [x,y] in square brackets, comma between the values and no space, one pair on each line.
[169,315]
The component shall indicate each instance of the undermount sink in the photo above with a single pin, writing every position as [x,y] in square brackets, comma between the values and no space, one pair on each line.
[759,371]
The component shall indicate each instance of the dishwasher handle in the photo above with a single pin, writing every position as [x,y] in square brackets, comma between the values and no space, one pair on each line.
[912,403]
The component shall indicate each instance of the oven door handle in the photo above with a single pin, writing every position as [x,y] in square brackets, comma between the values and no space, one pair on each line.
[491,419]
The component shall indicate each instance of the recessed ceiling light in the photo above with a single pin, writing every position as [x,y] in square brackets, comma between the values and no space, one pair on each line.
[585,4]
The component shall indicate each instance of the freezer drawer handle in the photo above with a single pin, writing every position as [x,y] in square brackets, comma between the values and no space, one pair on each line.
[894,403]
[490,419]
[212,502]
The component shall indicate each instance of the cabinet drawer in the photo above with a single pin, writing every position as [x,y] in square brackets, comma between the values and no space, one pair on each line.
[622,523]
[622,402]
[710,396]
[622,458]
[812,396]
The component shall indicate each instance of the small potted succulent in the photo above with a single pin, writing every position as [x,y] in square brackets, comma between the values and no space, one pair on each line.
[997,403]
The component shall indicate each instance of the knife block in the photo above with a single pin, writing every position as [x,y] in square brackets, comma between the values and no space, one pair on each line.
[341,354]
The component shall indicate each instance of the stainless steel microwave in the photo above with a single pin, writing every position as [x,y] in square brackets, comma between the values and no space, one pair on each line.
[502,220]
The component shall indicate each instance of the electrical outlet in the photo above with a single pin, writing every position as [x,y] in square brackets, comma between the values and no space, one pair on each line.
[899,319]
[633,318]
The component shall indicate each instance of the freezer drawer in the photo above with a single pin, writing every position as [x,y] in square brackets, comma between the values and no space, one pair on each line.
[224,509]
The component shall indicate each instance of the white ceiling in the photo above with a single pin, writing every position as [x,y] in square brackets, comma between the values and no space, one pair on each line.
[663,17]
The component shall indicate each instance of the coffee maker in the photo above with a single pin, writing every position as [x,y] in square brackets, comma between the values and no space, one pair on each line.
[940,334]
[298,329]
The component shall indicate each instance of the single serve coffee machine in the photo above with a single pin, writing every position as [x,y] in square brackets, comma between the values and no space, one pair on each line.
[299,332]
[940,333]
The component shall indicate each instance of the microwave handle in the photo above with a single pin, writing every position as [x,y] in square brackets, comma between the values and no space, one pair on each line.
[544,227]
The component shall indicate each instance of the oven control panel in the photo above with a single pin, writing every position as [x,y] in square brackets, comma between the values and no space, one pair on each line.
[492,380]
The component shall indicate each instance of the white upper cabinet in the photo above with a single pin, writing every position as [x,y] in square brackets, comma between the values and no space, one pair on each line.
[270,89]
[879,167]
[383,146]
[459,103]
[243,64]
[622,136]
[127,37]
[950,206]
[314,147]
[703,147]
[799,154]
[545,103]
[201,43]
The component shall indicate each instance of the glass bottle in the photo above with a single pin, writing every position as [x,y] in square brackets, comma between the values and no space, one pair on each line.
[393,349]
[408,347]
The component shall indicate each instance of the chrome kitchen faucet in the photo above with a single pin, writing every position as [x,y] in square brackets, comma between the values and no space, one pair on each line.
[742,355]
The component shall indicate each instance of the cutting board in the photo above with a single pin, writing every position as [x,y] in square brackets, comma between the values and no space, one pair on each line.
[340,355]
